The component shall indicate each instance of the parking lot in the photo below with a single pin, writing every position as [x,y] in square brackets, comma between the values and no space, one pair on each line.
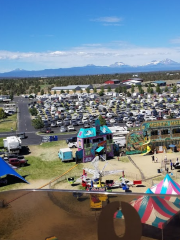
[65,113]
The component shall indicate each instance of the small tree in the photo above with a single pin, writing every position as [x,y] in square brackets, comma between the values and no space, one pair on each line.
[158,90]
[174,89]
[101,93]
[67,91]
[109,89]
[42,91]
[87,90]
[151,90]
[74,90]
[102,89]
[95,90]
[62,91]
[102,120]
[11,96]
[54,91]
[37,123]
[166,89]
[124,89]
[128,94]
[2,114]
[132,88]
[33,111]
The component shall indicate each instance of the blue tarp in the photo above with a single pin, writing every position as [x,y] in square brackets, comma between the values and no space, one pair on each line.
[5,169]
[99,149]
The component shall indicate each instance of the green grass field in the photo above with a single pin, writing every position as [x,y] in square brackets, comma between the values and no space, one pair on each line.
[43,163]
[8,123]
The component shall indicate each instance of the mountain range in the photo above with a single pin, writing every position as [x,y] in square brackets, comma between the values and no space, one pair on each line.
[117,67]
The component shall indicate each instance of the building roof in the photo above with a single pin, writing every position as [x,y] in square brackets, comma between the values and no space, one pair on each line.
[91,132]
[72,87]
[159,81]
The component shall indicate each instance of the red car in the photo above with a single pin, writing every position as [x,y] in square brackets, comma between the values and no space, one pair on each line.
[18,162]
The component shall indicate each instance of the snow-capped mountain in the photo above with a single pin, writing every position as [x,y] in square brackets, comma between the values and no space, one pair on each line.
[90,69]
[18,70]
[118,64]
[166,61]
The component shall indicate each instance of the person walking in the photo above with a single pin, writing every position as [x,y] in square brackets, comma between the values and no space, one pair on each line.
[171,164]
[156,159]
[153,158]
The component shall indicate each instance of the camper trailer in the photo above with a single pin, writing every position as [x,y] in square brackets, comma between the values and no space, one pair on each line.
[12,144]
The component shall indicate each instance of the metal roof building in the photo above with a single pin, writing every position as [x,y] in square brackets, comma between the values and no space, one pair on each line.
[160,83]
[72,87]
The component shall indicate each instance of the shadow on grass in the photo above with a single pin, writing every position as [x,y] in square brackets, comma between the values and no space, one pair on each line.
[25,150]
[10,179]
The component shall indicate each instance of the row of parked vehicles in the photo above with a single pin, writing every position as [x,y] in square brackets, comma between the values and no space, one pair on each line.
[15,160]
[67,113]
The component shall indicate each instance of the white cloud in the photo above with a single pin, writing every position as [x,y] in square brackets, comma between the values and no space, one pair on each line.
[175,40]
[98,54]
[108,21]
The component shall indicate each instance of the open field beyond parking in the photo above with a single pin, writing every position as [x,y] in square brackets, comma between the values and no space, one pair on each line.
[8,123]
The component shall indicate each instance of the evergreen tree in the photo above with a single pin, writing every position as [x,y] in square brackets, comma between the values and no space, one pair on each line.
[158,90]
[37,123]
[132,88]
[2,114]
[95,90]
[151,90]
[87,90]
[174,89]
[42,91]
[109,89]
[33,111]
[166,89]
[102,120]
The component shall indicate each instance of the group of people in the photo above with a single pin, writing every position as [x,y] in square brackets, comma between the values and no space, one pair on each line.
[154,160]
[165,161]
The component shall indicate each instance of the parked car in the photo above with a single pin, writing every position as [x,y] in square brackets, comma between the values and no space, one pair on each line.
[63,129]
[129,124]
[46,130]
[72,144]
[17,162]
[73,139]
[70,128]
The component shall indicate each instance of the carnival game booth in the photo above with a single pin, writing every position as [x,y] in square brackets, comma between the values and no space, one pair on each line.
[158,134]
[94,141]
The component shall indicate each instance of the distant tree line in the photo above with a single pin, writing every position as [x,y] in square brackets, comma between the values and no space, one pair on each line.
[19,86]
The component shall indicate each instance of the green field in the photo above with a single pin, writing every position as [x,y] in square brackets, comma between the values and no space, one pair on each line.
[8,123]
[43,163]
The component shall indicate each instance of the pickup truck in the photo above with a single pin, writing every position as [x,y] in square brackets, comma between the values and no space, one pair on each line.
[18,161]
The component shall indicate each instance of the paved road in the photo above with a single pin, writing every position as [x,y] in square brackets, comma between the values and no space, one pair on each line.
[25,125]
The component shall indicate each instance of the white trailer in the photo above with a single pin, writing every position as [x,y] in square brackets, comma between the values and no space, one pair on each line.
[120,140]
[12,144]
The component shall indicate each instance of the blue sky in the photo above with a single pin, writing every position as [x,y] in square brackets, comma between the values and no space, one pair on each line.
[41,34]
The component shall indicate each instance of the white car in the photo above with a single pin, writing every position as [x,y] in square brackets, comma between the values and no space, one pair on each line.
[125,119]
[147,118]
[59,122]
[71,111]
[70,128]
[112,120]
[153,118]
[72,144]
[129,124]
